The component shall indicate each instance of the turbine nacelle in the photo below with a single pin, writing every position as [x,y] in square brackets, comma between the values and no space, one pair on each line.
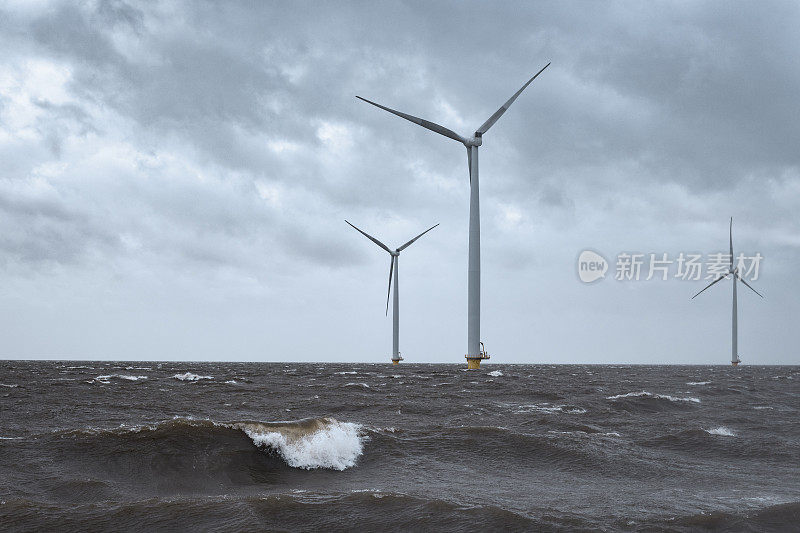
[394,254]
[473,141]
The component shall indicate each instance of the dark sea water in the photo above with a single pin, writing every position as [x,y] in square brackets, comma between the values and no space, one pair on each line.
[248,447]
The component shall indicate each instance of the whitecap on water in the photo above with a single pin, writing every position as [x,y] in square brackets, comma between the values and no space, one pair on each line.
[107,378]
[698,382]
[722,431]
[495,373]
[645,394]
[548,408]
[188,376]
[320,443]
[351,384]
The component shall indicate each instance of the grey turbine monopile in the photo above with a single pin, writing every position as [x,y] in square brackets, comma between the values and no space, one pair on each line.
[394,267]
[474,265]
[735,275]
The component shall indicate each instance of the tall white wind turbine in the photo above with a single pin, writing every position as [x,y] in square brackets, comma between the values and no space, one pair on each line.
[735,275]
[474,352]
[394,268]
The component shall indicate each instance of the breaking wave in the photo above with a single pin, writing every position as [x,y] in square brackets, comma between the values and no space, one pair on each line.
[722,430]
[548,408]
[188,376]
[698,382]
[645,394]
[312,443]
[353,384]
[125,377]
[495,373]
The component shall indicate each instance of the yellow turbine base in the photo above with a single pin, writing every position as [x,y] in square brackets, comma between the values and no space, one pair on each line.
[395,362]
[735,363]
[473,363]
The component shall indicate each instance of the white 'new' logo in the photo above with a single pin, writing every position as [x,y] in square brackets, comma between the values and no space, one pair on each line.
[591,266]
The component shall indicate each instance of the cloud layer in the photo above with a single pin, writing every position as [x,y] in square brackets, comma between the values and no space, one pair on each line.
[175,176]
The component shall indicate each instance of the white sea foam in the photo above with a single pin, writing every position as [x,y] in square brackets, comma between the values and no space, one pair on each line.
[547,408]
[231,382]
[107,378]
[334,445]
[645,394]
[698,383]
[9,385]
[351,384]
[346,372]
[188,376]
[722,430]
[586,434]
[495,373]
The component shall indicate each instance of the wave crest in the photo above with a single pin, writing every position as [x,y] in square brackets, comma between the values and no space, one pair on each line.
[722,431]
[645,394]
[310,444]
[188,376]
[106,379]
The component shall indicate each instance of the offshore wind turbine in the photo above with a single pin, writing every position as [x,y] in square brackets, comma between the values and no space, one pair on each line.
[474,352]
[734,273]
[394,267]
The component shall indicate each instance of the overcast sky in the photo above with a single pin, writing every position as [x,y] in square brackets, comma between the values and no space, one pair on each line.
[174,178]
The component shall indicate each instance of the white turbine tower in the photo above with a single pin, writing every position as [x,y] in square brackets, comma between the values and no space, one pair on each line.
[474,352]
[735,275]
[394,267]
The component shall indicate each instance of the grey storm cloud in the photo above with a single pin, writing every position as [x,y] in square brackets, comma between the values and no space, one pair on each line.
[209,152]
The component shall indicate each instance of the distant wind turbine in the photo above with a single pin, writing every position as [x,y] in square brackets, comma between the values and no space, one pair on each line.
[734,273]
[394,267]
[474,352]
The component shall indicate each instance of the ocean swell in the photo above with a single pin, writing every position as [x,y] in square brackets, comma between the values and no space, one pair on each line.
[313,443]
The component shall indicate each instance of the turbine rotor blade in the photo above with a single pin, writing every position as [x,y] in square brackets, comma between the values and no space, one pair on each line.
[370,237]
[731,241]
[748,285]
[499,113]
[427,124]
[722,276]
[469,162]
[406,245]
[389,292]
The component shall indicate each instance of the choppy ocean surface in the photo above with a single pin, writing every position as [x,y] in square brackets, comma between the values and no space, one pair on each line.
[240,446]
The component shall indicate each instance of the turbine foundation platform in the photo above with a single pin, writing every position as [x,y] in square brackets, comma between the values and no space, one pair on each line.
[474,361]
[396,360]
